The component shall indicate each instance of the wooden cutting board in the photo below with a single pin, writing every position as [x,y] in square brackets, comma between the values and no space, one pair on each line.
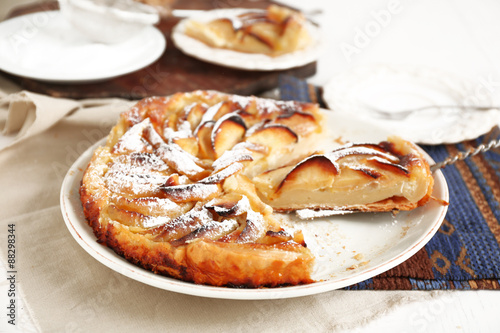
[172,72]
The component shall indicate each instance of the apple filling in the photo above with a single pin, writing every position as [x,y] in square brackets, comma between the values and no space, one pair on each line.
[384,177]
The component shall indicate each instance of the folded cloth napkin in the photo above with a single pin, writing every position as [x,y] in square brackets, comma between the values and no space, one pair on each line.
[26,114]
[65,289]
[465,252]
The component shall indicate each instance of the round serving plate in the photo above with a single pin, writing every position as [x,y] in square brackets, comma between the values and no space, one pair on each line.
[348,249]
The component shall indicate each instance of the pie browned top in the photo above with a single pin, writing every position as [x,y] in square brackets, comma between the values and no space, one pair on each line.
[187,186]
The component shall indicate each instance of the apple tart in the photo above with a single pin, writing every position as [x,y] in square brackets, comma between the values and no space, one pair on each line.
[187,186]
[171,190]
[273,32]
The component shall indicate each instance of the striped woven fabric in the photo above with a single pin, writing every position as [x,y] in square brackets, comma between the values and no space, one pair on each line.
[465,252]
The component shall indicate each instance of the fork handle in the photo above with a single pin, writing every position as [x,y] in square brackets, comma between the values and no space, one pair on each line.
[463,155]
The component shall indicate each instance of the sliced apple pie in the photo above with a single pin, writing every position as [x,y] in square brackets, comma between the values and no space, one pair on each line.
[187,186]
[273,32]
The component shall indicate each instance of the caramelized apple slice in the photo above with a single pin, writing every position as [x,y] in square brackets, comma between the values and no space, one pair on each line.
[190,192]
[247,117]
[181,226]
[220,176]
[134,185]
[227,107]
[359,150]
[384,164]
[142,162]
[316,171]
[181,161]
[194,114]
[181,131]
[212,230]
[275,237]
[239,153]
[132,140]
[209,115]
[189,145]
[301,123]
[229,205]
[135,220]
[151,206]
[204,136]
[254,228]
[274,137]
[227,132]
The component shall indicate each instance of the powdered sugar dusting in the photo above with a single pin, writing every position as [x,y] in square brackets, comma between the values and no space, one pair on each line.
[134,184]
[254,228]
[154,221]
[241,100]
[219,176]
[212,230]
[309,214]
[238,153]
[235,116]
[183,131]
[209,115]
[267,106]
[184,224]
[358,150]
[179,159]
[142,162]
[190,192]
[132,140]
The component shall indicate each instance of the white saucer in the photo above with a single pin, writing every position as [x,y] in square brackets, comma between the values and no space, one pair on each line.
[241,60]
[45,47]
[395,88]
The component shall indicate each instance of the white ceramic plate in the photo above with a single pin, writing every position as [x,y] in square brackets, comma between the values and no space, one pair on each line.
[348,249]
[45,47]
[241,60]
[396,88]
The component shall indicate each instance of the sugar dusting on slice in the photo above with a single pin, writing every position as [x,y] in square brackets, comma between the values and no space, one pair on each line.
[309,214]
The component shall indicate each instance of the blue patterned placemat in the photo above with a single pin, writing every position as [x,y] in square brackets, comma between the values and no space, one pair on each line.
[465,252]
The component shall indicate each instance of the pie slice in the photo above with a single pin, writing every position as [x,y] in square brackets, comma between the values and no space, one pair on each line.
[273,32]
[391,175]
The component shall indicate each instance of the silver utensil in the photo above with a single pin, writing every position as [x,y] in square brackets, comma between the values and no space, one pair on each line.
[400,115]
[465,154]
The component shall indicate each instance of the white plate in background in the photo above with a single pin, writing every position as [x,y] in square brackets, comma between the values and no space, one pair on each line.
[241,60]
[394,88]
[44,46]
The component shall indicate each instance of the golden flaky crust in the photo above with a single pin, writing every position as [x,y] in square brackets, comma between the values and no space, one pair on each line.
[183,187]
